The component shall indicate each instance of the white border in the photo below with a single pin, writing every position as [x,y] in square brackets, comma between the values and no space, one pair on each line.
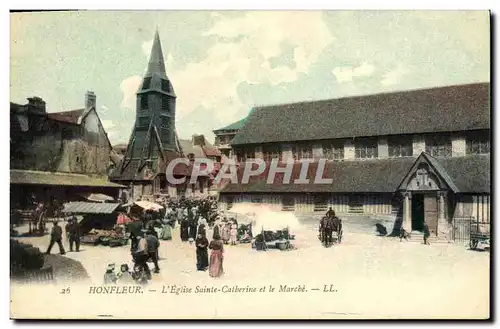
[191,5]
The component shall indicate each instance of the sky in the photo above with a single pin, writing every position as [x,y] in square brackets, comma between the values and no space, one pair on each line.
[222,64]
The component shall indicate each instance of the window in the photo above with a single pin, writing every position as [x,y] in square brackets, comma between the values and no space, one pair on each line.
[165,86]
[303,152]
[400,146]
[356,204]
[229,203]
[256,199]
[147,83]
[164,122]
[143,121]
[288,203]
[144,102]
[271,152]
[225,139]
[320,203]
[165,103]
[438,145]
[366,148]
[478,143]
[333,150]
[243,155]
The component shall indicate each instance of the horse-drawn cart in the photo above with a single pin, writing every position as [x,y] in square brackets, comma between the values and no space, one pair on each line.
[330,231]
[479,235]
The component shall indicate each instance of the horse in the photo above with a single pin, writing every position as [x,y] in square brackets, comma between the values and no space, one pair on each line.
[326,228]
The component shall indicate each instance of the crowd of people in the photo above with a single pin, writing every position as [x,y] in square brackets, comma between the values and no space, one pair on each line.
[195,218]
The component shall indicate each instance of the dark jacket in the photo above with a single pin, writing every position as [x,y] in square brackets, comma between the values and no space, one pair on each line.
[153,243]
[56,233]
[73,230]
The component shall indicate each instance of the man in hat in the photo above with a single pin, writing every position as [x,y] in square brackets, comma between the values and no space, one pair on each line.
[141,254]
[56,237]
[330,213]
[73,231]
[152,246]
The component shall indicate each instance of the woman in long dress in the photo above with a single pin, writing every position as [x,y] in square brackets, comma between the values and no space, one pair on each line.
[201,252]
[233,234]
[166,230]
[184,230]
[226,228]
[216,228]
[216,268]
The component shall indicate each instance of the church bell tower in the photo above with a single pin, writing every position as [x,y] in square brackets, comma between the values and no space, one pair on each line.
[156,99]
[154,137]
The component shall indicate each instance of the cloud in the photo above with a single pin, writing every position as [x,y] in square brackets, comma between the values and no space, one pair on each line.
[245,52]
[103,110]
[129,87]
[213,82]
[146,47]
[107,124]
[349,73]
[394,76]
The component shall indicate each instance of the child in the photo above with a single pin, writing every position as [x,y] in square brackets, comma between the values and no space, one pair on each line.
[110,276]
[233,233]
[124,276]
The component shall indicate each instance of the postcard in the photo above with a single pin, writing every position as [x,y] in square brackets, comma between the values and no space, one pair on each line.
[250,165]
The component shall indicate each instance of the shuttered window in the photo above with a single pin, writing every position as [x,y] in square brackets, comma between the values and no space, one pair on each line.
[438,145]
[147,83]
[478,143]
[400,146]
[366,148]
[333,150]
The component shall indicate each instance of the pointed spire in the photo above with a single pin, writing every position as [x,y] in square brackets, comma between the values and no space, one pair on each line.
[156,63]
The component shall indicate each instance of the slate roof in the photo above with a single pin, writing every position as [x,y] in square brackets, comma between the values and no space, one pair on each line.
[471,174]
[451,108]
[233,126]
[131,170]
[67,116]
[57,178]
[90,207]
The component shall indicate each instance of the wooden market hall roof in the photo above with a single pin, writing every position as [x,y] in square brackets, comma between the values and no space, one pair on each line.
[469,174]
[441,109]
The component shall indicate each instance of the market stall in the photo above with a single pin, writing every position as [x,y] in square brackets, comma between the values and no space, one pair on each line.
[100,223]
[272,230]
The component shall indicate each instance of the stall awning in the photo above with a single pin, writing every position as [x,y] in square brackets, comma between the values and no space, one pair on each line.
[89,207]
[97,197]
[149,205]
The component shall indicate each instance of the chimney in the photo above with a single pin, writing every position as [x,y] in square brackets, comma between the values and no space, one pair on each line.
[198,140]
[36,104]
[90,100]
